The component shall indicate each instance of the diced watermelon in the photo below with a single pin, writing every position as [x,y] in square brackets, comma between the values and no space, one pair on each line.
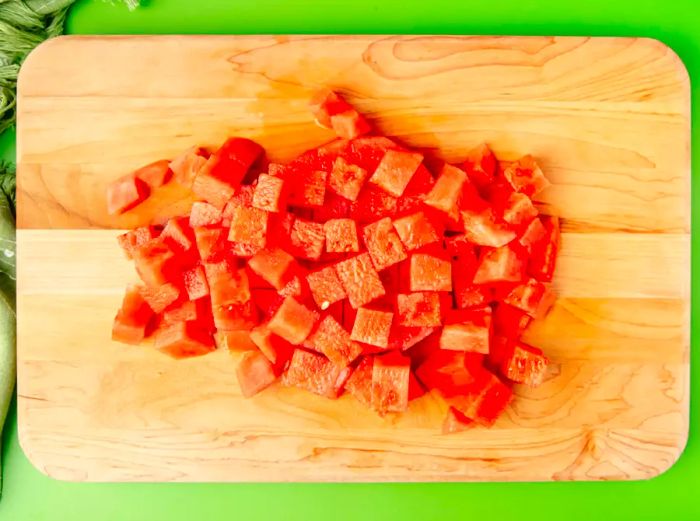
[415,389]
[525,364]
[333,341]
[249,226]
[483,228]
[532,297]
[204,214]
[525,176]
[515,208]
[480,166]
[180,311]
[467,330]
[334,207]
[509,322]
[360,280]
[133,318]
[155,174]
[307,189]
[307,239]
[275,266]
[359,385]
[455,421]
[349,124]
[419,309]
[217,180]
[372,204]
[178,234]
[134,239]
[184,339]
[486,402]
[447,191]
[326,287]
[227,284]
[267,301]
[234,341]
[341,236]
[125,193]
[430,273]
[186,165]
[324,104]
[544,253]
[499,265]
[156,263]
[195,282]
[315,373]
[368,151]
[390,382]
[416,231]
[347,179]
[404,338]
[255,373]
[269,193]
[243,197]
[293,321]
[383,244]
[160,297]
[211,242]
[275,348]
[534,233]
[395,171]
[235,316]
[372,327]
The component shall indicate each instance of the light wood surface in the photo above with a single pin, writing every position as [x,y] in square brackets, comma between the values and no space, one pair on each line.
[607,118]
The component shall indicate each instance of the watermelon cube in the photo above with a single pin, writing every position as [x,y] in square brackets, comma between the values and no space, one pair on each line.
[293,321]
[416,231]
[447,191]
[248,226]
[534,233]
[315,373]
[526,176]
[360,280]
[373,203]
[383,244]
[244,197]
[211,242]
[485,402]
[359,385]
[307,189]
[306,239]
[333,341]
[526,365]
[134,239]
[275,348]
[390,381]
[467,330]
[508,321]
[430,273]
[324,104]
[372,327]
[204,214]
[180,311]
[325,287]
[515,208]
[274,266]
[482,227]
[125,193]
[347,179]
[219,178]
[255,373]
[235,316]
[186,165]
[234,341]
[341,236]
[395,171]
[133,318]
[499,265]
[178,235]
[455,421]
[159,297]
[183,340]
[480,166]
[532,297]
[227,285]
[419,309]
[269,193]
[156,263]
[349,124]
[195,282]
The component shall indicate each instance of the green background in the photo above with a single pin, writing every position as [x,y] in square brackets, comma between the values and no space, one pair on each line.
[29,495]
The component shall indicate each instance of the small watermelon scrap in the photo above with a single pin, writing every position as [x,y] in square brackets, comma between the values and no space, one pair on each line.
[455,421]
[155,174]
[525,176]
[255,373]
[160,297]
[183,340]
[186,166]
[390,382]
[525,364]
[178,234]
[315,373]
[275,348]
[306,239]
[133,318]
[132,240]
[125,193]
[359,385]
[480,166]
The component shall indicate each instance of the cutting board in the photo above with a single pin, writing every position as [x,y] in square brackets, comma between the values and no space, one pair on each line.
[608,118]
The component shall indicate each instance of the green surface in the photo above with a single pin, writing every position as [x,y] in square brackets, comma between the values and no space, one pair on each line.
[28,495]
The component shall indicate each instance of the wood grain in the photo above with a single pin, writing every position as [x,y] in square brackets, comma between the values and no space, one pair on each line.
[607,117]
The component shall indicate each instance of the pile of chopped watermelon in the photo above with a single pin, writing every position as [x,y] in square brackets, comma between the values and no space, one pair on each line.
[361,266]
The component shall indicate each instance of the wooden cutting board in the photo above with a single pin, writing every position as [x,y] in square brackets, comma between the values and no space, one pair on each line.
[607,117]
